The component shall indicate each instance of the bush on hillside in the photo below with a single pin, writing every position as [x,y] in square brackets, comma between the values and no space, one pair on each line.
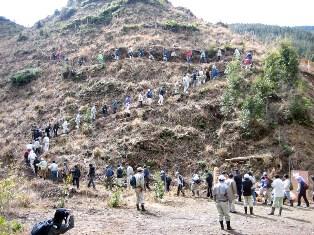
[299,108]
[282,65]
[174,26]
[22,38]
[9,227]
[25,76]
[7,194]
[115,199]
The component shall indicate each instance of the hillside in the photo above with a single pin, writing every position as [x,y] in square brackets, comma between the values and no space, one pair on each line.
[9,28]
[189,132]
[302,36]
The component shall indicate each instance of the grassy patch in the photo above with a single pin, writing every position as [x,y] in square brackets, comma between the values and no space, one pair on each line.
[25,76]
[176,27]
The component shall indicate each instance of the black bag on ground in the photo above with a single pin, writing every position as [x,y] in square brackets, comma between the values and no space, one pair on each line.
[42,227]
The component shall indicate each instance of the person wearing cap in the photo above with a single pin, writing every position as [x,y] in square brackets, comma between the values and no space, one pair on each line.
[222,195]
[302,188]
[129,174]
[279,193]
[180,182]
[139,188]
[247,193]
[146,177]
[265,187]
[233,188]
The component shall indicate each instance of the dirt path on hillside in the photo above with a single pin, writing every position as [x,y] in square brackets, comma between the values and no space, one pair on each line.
[173,216]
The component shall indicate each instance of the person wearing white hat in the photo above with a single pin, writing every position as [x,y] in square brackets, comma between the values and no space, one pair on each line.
[279,193]
[139,188]
[247,193]
[222,195]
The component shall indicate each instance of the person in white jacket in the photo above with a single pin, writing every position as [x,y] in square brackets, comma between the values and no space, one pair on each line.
[129,174]
[43,168]
[78,120]
[279,193]
[46,143]
[31,158]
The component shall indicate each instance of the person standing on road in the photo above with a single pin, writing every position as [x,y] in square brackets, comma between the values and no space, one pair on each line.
[209,181]
[109,177]
[180,182]
[247,193]
[139,189]
[120,176]
[238,181]
[146,177]
[91,176]
[279,193]
[222,195]
[302,188]
[287,186]
[233,188]
[129,174]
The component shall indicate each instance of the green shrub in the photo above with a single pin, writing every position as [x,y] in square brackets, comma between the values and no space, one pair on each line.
[115,199]
[127,28]
[7,193]
[159,189]
[253,108]
[174,26]
[299,108]
[282,65]
[9,227]
[25,76]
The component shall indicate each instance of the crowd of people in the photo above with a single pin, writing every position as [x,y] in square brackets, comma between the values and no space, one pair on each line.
[229,188]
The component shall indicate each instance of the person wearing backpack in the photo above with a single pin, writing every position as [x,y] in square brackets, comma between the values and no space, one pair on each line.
[76,174]
[91,176]
[302,188]
[109,177]
[55,225]
[222,195]
[146,177]
[139,187]
[209,181]
[287,187]
[233,188]
[120,176]
[196,182]
[181,184]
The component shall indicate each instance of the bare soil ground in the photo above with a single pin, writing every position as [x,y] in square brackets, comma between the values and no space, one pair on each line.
[174,215]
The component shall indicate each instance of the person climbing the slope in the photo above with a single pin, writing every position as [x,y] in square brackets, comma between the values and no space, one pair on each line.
[53,167]
[203,58]
[65,127]
[186,83]
[149,97]
[46,143]
[219,54]
[76,175]
[140,100]
[93,113]
[78,120]
[161,96]
[188,56]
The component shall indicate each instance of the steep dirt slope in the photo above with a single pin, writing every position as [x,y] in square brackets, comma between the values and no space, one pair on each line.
[185,132]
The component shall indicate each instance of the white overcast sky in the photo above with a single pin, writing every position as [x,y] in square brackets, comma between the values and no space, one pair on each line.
[276,12]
